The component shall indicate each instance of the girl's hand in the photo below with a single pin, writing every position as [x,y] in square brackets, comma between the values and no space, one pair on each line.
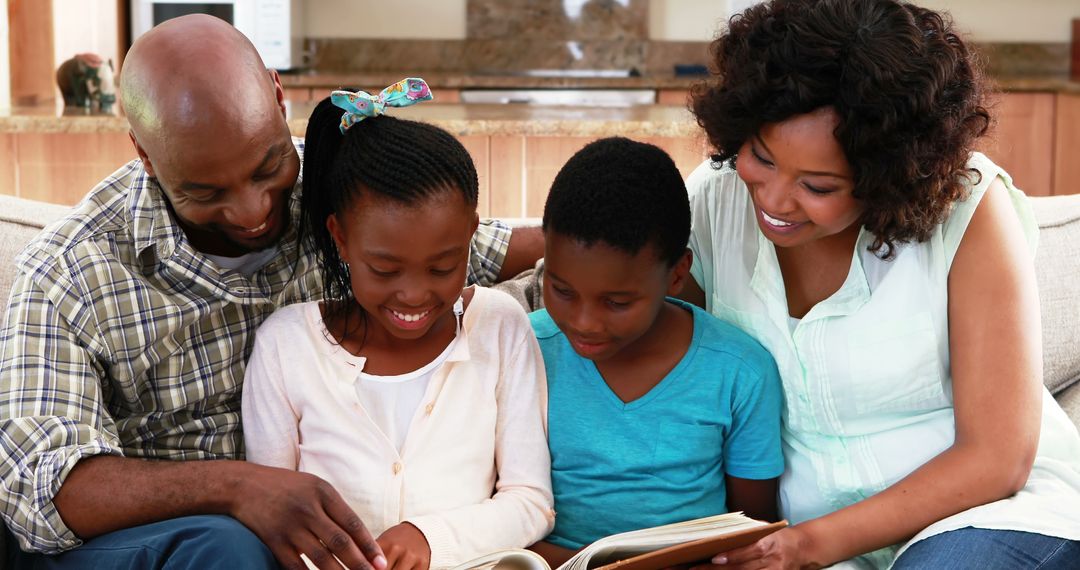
[405,548]
[785,549]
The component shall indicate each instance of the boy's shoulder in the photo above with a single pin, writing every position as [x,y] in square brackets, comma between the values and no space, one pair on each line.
[718,339]
[542,325]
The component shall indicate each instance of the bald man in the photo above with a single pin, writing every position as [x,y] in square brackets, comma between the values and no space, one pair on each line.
[122,359]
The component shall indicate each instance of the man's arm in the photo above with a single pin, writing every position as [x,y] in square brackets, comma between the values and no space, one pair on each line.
[291,512]
[498,253]
[63,462]
[526,247]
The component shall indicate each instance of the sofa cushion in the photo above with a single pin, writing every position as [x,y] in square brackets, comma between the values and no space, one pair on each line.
[1057,268]
[20,221]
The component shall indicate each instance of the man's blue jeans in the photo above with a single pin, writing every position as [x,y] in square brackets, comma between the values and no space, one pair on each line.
[985,549]
[205,541]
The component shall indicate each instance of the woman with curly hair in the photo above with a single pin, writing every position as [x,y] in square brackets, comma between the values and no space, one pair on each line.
[846,222]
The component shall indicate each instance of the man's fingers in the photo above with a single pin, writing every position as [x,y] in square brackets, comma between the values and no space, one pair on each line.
[317,552]
[348,537]
[288,557]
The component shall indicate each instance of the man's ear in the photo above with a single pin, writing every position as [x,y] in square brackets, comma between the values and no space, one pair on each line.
[147,165]
[279,91]
[680,273]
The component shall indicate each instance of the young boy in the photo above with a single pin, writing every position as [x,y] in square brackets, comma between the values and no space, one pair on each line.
[658,412]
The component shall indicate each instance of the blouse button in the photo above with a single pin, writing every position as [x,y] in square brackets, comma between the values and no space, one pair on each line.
[397,467]
[428,408]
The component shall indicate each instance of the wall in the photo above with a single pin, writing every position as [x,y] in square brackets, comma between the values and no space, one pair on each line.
[82,26]
[674,20]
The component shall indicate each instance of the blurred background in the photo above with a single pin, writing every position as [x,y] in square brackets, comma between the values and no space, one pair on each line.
[504,71]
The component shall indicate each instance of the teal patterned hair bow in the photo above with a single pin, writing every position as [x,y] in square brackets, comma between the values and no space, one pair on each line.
[360,105]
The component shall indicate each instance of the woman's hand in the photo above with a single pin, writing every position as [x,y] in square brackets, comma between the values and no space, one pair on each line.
[785,549]
[406,548]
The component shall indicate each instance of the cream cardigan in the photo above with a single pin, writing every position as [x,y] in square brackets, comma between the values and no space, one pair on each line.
[474,472]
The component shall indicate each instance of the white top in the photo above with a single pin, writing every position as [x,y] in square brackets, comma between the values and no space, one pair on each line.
[246,264]
[473,473]
[867,386]
[391,401]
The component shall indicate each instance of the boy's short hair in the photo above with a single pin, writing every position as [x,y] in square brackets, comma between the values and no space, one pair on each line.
[624,193]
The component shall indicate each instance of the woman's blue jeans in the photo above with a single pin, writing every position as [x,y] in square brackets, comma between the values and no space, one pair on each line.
[985,549]
[204,541]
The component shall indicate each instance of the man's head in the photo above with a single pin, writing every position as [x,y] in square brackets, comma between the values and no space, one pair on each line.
[208,122]
[616,225]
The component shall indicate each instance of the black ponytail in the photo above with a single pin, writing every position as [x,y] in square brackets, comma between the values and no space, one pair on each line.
[405,161]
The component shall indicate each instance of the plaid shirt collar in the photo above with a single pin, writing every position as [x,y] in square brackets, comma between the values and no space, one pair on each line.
[154,225]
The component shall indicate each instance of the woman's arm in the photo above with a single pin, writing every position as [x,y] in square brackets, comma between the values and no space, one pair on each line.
[996,356]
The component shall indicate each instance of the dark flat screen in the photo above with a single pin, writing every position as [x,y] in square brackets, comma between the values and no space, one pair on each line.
[166,11]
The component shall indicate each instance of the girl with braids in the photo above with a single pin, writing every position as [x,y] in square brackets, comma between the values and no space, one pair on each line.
[846,223]
[419,400]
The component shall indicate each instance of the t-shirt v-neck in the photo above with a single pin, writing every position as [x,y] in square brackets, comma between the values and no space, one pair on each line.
[609,395]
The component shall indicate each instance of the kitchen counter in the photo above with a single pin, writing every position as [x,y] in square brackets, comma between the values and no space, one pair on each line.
[447,80]
[459,119]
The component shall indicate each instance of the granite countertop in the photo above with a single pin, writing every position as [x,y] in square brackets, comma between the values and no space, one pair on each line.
[450,80]
[447,80]
[459,119]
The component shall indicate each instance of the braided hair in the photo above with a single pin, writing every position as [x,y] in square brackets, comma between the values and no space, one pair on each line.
[404,161]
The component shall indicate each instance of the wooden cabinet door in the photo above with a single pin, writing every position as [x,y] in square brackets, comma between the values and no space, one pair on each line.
[1022,142]
[1067,144]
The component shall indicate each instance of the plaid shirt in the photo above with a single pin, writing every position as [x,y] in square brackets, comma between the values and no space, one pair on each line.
[121,339]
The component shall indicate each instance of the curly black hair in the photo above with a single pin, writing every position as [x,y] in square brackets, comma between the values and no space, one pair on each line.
[908,93]
[405,161]
[624,193]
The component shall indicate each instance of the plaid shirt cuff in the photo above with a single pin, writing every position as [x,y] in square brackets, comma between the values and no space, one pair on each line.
[487,252]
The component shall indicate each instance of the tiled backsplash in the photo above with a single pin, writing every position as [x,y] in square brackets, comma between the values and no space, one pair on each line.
[513,36]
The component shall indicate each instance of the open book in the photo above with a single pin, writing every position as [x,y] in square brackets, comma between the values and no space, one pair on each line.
[645,549]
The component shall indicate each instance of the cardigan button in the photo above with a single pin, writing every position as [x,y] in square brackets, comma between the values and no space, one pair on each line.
[397,467]
[428,408]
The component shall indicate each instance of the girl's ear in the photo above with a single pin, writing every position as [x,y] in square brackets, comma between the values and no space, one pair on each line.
[475,223]
[679,273]
[336,232]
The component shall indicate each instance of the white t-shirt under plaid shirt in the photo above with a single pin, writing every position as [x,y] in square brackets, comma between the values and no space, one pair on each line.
[121,339]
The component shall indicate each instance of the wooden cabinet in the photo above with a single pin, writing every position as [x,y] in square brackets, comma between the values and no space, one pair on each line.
[1022,141]
[1067,144]
[63,167]
[520,169]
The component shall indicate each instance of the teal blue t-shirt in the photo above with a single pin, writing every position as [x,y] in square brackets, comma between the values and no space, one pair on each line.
[662,458]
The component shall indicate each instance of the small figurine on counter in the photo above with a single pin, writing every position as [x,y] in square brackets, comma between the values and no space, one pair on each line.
[86,80]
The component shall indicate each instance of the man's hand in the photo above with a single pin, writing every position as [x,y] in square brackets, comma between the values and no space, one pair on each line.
[294,513]
[406,548]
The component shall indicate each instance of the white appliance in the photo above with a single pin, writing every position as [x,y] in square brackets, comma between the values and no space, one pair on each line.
[274,26]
